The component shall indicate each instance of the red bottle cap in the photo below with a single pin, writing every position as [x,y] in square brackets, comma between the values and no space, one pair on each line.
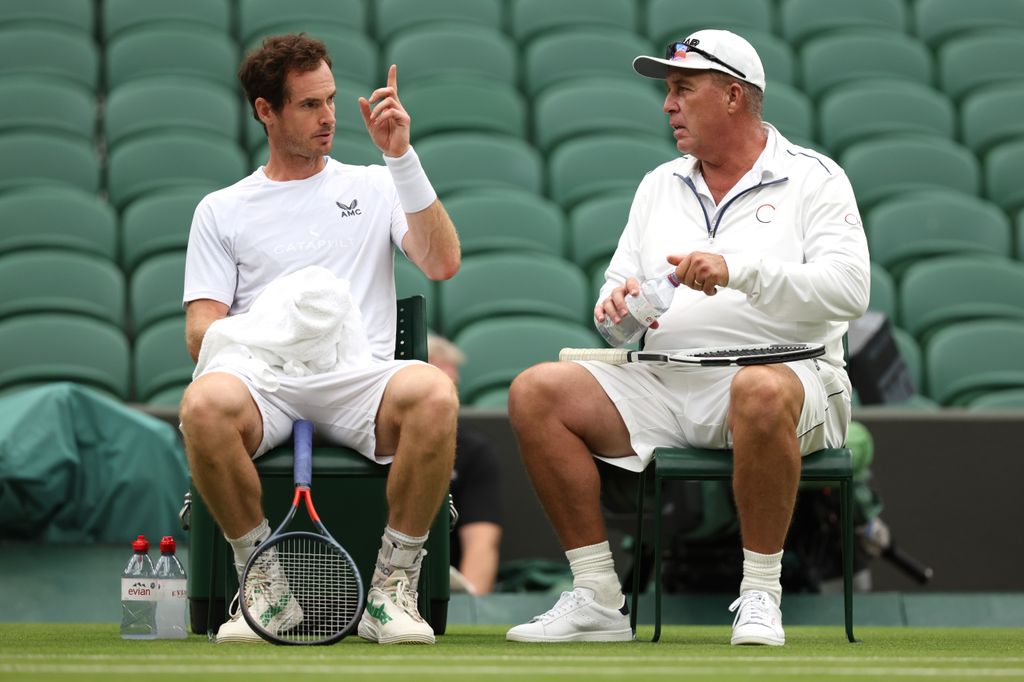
[141,544]
[167,545]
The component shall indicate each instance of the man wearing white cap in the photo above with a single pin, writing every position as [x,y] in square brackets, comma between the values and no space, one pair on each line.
[766,239]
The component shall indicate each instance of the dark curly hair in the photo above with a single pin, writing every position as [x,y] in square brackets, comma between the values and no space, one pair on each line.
[264,70]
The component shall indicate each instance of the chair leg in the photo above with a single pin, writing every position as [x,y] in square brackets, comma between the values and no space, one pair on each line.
[846,501]
[657,558]
[638,551]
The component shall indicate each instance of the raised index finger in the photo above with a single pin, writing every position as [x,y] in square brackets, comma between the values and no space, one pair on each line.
[393,78]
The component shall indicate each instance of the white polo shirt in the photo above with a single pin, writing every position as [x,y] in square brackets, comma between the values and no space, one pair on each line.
[345,218]
[790,233]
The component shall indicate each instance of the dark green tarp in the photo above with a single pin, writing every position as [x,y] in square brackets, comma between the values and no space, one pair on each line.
[78,466]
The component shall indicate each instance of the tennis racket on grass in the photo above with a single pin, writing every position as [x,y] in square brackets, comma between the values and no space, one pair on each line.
[301,587]
[758,354]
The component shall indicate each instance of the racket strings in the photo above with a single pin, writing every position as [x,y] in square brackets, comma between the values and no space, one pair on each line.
[303,589]
[747,352]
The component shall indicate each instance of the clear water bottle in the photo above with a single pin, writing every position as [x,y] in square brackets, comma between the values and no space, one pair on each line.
[653,300]
[172,593]
[138,594]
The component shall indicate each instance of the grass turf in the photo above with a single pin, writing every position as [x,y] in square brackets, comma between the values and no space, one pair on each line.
[80,652]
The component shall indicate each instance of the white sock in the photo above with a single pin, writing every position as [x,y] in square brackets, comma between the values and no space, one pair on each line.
[592,567]
[762,572]
[247,544]
[399,551]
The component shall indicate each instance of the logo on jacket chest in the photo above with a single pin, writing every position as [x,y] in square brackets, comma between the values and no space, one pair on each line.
[349,210]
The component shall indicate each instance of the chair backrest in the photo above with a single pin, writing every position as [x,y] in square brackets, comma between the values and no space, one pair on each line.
[47,103]
[57,217]
[453,50]
[595,226]
[970,359]
[155,290]
[1004,165]
[498,349]
[157,223]
[667,20]
[160,359]
[61,347]
[1001,51]
[196,51]
[531,18]
[50,51]
[883,292]
[789,110]
[800,20]
[462,161]
[121,15]
[31,158]
[50,280]
[483,105]
[988,115]
[936,21]
[507,220]
[1010,399]
[553,58]
[257,17]
[394,16]
[850,112]
[826,61]
[411,329]
[910,351]
[70,14]
[511,283]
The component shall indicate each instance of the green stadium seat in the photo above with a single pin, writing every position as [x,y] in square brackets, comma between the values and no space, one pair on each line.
[1000,51]
[883,292]
[50,51]
[32,158]
[910,351]
[1019,235]
[905,229]
[595,164]
[990,115]
[171,103]
[158,223]
[894,166]
[155,290]
[972,359]
[161,365]
[354,55]
[184,159]
[46,103]
[393,17]
[828,61]
[544,286]
[1004,166]
[482,105]
[598,105]
[1010,400]
[571,55]
[122,15]
[63,347]
[257,17]
[789,110]
[498,349]
[57,217]
[58,281]
[530,18]
[197,52]
[453,50]
[850,112]
[667,21]
[936,21]
[801,20]
[69,14]
[595,226]
[507,220]
[464,161]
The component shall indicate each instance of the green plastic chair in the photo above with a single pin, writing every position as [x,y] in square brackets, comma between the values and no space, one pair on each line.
[161,365]
[988,116]
[483,105]
[453,50]
[789,110]
[122,15]
[595,226]
[1009,400]
[155,290]
[698,464]
[184,159]
[827,61]
[544,286]
[581,53]
[905,229]
[470,161]
[593,165]
[895,166]
[968,360]
[940,291]
[57,217]
[32,158]
[50,51]
[256,17]
[883,292]
[158,223]
[45,347]
[530,18]
[1003,167]
[1019,235]
[800,20]
[354,55]
[195,51]
[393,17]
[498,349]
[598,105]
[49,280]
[935,21]
[71,14]
[507,220]
[1000,50]
[850,112]
[910,351]
[665,22]
[47,103]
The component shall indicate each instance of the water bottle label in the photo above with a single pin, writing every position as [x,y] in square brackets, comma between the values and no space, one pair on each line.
[172,589]
[138,589]
[642,309]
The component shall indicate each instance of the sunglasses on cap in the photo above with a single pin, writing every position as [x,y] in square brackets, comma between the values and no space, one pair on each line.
[674,48]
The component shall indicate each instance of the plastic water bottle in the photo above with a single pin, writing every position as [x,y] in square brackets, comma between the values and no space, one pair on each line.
[138,594]
[172,593]
[653,300]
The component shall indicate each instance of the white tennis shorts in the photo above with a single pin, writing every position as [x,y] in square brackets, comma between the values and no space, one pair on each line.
[342,405]
[688,406]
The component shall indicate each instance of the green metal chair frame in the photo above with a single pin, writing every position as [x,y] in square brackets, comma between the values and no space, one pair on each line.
[698,464]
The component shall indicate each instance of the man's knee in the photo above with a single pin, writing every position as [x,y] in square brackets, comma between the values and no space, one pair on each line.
[424,390]
[764,393]
[536,389]
[217,401]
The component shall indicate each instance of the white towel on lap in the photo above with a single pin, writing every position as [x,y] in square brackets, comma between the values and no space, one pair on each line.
[301,324]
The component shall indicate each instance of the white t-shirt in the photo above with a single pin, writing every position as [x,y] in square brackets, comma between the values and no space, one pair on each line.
[790,233]
[345,218]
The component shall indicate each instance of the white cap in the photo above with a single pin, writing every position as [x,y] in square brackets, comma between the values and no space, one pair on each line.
[734,55]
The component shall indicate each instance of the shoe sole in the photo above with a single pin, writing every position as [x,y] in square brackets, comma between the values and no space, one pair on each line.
[753,639]
[234,639]
[608,636]
[369,633]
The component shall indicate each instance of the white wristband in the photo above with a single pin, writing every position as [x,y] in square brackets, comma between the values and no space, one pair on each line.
[414,189]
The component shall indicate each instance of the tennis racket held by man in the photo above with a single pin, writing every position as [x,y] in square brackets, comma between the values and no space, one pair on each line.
[742,355]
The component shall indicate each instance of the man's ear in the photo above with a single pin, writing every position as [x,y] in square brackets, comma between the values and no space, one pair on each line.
[735,96]
[263,110]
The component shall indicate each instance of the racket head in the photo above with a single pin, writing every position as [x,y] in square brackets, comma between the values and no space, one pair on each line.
[301,588]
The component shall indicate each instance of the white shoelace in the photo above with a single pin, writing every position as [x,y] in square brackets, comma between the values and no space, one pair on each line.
[406,599]
[569,601]
[754,607]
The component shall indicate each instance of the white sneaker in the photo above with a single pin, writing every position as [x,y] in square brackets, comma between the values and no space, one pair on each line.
[577,617]
[391,615]
[758,620]
[270,602]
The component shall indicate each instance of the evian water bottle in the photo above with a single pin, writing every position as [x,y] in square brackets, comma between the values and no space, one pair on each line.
[172,593]
[653,300]
[138,594]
